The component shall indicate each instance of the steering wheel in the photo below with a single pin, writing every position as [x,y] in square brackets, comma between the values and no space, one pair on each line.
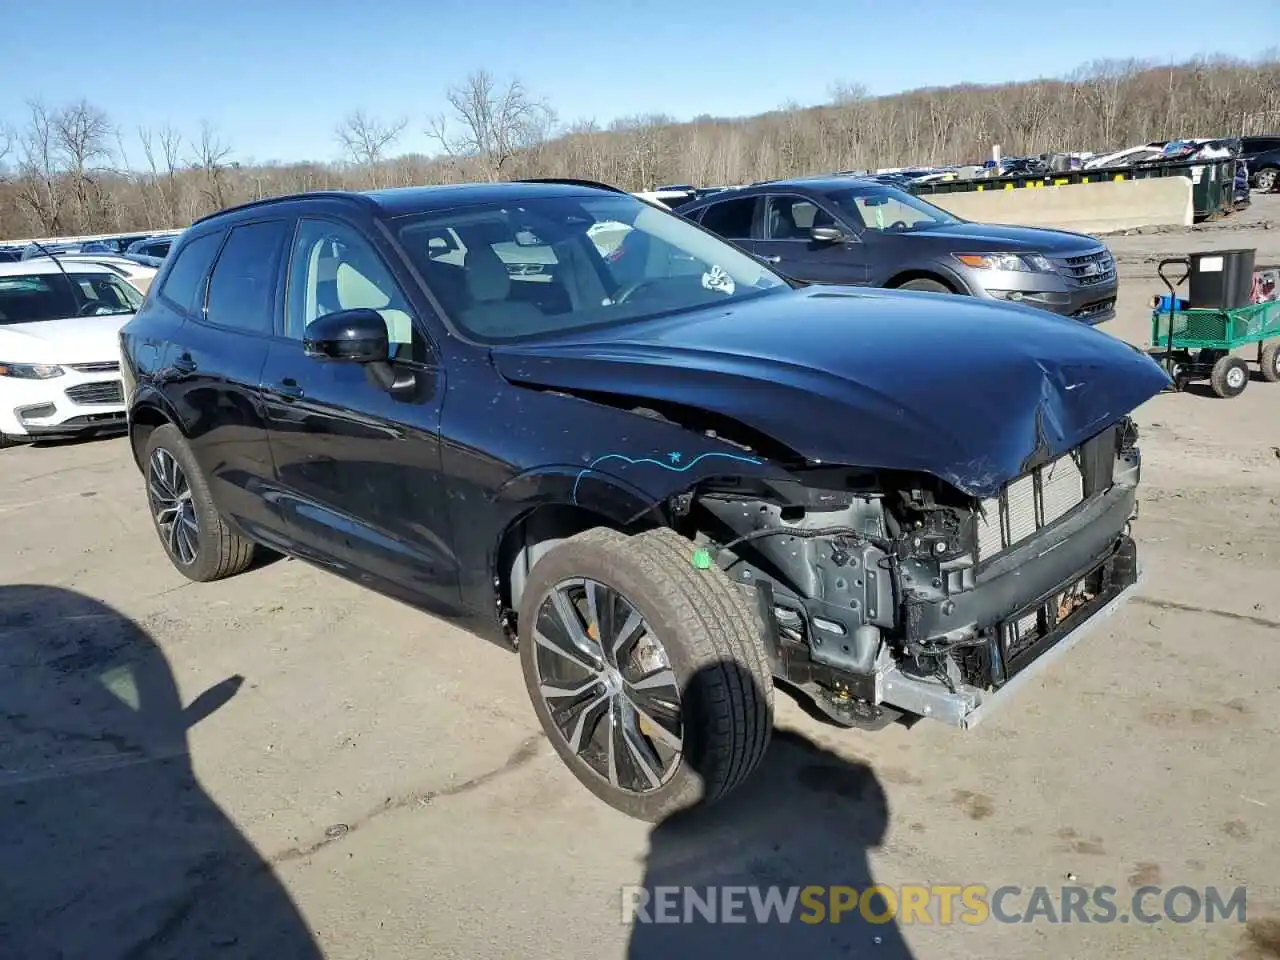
[898,225]
[94,310]
[629,290]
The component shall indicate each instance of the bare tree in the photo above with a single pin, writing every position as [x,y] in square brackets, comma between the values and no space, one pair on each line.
[82,134]
[211,159]
[40,189]
[366,140]
[494,122]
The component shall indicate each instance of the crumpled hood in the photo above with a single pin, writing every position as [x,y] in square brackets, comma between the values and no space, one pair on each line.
[73,340]
[962,389]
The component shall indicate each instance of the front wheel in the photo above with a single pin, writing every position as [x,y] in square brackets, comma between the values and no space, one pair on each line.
[1265,180]
[648,675]
[924,283]
[1229,377]
[198,541]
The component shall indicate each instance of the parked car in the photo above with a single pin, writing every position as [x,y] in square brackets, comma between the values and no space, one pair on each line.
[1264,168]
[138,274]
[152,246]
[59,349]
[617,475]
[864,233]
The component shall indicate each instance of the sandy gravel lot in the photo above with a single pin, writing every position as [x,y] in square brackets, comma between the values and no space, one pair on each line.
[326,772]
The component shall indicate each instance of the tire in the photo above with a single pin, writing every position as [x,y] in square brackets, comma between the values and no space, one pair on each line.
[1265,179]
[706,633]
[197,540]
[1230,376]
[924,283]
[1269,361]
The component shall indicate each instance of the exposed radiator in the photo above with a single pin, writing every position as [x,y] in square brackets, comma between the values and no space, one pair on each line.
[1029,503]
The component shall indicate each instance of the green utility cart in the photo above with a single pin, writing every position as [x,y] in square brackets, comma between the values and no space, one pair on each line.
[1198,343]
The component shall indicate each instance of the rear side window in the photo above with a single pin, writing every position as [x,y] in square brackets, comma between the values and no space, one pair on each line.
[185,281]
[731,219]
[242,288]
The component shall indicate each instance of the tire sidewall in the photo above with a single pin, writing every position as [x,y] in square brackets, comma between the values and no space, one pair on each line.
[588,560]
[1224,374]
[169,439]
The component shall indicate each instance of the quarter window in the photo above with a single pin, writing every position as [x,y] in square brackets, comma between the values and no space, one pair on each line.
[242,287]
[184,283]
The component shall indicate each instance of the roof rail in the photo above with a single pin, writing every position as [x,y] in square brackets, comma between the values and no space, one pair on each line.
[572,182]
[283,198]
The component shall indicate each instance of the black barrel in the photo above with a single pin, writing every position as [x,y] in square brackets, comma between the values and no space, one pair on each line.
[1221,279]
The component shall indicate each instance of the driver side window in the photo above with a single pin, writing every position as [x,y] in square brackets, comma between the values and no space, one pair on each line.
[334,268]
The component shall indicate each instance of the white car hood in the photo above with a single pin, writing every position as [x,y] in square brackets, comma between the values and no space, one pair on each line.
[74,340]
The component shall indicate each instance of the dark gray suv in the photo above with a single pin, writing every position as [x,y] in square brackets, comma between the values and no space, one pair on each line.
[859,232]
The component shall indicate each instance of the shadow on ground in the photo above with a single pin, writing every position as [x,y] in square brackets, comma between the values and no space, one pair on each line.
[807,817]
[108,845]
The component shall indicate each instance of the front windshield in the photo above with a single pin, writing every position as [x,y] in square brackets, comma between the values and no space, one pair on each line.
[31,298]
[511,271]
[889,210]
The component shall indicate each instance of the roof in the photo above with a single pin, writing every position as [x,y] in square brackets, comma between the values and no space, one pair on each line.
[43,265]
[402,201]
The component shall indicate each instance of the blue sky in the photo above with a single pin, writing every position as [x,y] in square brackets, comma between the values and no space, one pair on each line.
[275,76]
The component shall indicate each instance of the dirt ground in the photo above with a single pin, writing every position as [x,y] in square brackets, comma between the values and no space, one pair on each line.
[326,772]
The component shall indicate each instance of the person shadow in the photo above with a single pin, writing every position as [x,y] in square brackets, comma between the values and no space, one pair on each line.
[806,818]
[109,847]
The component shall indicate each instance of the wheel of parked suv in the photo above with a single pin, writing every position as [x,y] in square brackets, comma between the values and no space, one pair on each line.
[924,283]
[197,540]
[1265,179]
[649,675]
[1229,377]
[1269,361]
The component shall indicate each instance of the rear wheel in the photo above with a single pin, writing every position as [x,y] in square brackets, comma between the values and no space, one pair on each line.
[924,283]
[198,541]
[1229,377]
[648,675]
[1265,180]
[1269,361]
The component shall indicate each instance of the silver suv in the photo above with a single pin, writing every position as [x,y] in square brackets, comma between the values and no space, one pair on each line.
[846,231]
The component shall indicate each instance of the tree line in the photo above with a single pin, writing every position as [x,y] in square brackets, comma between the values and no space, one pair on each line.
[65,170]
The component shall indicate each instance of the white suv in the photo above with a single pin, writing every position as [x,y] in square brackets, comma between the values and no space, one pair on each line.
[60,350]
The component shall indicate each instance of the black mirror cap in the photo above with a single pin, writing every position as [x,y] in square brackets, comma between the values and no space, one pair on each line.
[354,336]
[828,235]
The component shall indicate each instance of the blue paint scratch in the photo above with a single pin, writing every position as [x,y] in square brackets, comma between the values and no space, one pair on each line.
[675,458]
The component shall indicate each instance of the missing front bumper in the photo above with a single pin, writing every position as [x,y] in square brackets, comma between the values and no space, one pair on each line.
[1008,663]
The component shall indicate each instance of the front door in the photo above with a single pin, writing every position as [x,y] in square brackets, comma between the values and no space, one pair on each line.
[785,242]
[358,468]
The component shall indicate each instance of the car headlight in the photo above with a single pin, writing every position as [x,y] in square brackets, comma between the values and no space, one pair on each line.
[30,371]
[1019,262]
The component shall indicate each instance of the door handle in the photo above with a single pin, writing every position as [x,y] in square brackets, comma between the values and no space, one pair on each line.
[184,364]
[289,388]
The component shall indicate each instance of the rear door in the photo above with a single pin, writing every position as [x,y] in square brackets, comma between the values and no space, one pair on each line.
[358,468]
[785,242]
[217,366]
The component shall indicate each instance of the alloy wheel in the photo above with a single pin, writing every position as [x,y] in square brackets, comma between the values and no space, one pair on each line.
[171,505]
[608,685]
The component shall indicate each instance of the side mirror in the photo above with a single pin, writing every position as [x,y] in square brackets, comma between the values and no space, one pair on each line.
[828,235]
[353,336]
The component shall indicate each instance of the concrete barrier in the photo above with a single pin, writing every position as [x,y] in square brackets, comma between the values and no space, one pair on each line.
[1084,207]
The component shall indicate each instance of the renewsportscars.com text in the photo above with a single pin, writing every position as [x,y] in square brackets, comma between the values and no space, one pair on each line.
[932,904]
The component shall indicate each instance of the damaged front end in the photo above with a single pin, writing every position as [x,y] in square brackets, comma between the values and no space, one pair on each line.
[886,593]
